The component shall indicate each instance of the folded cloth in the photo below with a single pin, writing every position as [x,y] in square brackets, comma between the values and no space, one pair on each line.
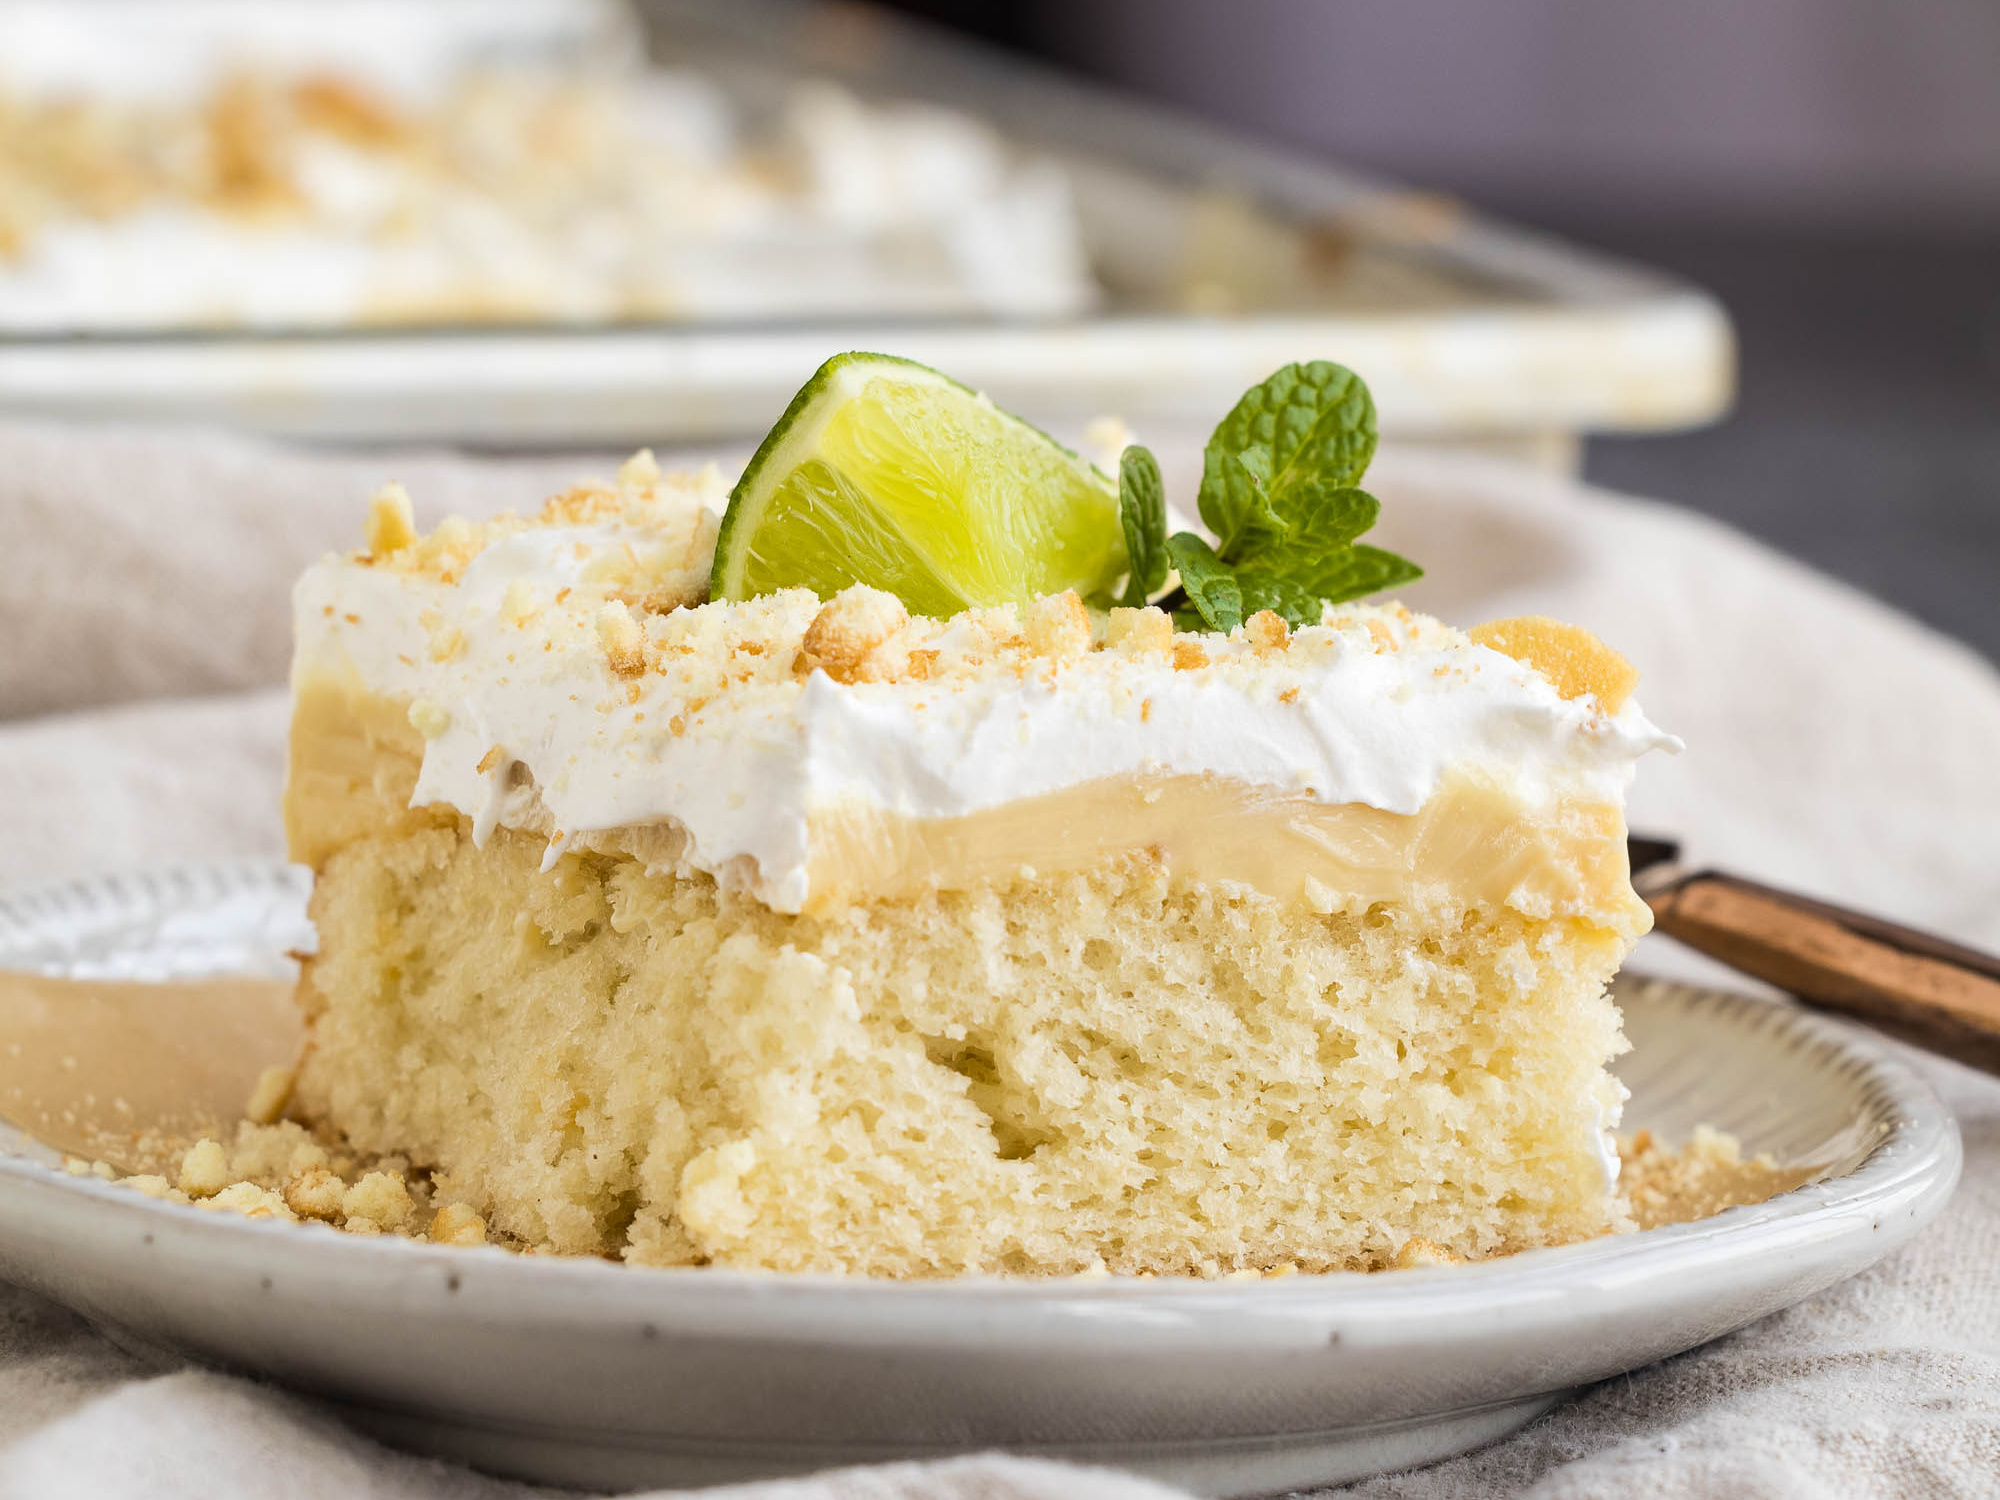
[1833,745]
[151,563]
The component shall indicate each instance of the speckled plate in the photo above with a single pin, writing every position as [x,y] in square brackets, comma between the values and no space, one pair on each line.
[589,1373]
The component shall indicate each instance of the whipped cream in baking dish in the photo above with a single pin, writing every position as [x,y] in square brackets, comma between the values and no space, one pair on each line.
[262,189]
[808,751]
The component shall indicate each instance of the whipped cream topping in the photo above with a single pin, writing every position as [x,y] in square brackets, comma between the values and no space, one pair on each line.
[140,50]
[721,744]
[453,169]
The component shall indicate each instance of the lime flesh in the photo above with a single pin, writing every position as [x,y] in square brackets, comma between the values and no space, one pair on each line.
[886,473]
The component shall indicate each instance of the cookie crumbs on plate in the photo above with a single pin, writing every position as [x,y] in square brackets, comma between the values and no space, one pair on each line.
[272,1093]
[1419,1253]
[204,1170]
[1701,1179]
[316,1193]
[380,1198]
[280,1171]
[455,1224]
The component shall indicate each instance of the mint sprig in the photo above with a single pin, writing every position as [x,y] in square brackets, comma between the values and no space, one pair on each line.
[1279,489]
[1235,500]
[1142,511]
[1212,590]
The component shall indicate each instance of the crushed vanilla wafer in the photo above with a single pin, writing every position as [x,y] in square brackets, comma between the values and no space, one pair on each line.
[1575,662]
[280,1170]
[1706,1175]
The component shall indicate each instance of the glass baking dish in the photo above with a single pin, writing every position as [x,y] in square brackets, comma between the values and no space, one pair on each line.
[1206,261]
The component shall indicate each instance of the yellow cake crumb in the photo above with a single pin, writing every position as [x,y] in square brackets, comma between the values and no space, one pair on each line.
[204,1171]
[273,1091]
[267,1153]
[517,606]
[623,641]
[848,628]
[380,1198]
[1574,661]
[1057,626]
[1266,631]
[1708,1174]
[392,523]
[1137,631]
[1419,1252]
[316,1193]
[455,1224]
[252,1201]
[640,471]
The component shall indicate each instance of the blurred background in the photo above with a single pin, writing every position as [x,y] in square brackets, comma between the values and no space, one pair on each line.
[1741,256]
[1830,169]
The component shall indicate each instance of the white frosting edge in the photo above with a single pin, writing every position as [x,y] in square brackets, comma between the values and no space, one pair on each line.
[745,774]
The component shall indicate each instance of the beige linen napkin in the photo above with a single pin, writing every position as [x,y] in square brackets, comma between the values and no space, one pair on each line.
[1833,745]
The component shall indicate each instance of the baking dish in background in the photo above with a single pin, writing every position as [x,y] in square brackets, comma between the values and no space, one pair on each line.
[1210,261]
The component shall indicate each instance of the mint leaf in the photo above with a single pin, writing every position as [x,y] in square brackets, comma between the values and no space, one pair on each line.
[1211,588]
[1294,603]
[1335,577]
[1322,517]
[1142,512]
[1308,422]
[1279,489]
[1235,503]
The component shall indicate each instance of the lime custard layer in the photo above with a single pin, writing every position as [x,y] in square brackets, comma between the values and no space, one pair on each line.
[814,935]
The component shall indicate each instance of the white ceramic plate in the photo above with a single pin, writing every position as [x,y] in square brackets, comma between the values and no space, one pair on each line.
[596,1374]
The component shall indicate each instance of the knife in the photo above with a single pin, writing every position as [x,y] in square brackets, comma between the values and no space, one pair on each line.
[1920,988]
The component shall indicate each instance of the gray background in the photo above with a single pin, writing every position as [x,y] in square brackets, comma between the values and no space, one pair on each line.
[1830,168]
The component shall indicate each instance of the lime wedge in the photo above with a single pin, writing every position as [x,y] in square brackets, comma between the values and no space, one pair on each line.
[884,472]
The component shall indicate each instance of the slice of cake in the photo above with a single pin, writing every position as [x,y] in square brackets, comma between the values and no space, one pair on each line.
[812,934]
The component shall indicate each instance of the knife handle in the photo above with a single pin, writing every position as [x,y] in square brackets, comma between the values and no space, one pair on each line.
[1927,991]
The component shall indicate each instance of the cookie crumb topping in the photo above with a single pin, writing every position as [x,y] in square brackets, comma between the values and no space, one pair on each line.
[1576,662]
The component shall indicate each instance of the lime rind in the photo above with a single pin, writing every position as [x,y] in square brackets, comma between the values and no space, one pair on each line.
[885,472]
[784,447]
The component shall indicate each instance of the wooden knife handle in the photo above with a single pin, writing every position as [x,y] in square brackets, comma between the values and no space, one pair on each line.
[1923,989]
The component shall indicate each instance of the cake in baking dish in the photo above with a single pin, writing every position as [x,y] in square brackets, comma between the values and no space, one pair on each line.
[141,193]
[809,934]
